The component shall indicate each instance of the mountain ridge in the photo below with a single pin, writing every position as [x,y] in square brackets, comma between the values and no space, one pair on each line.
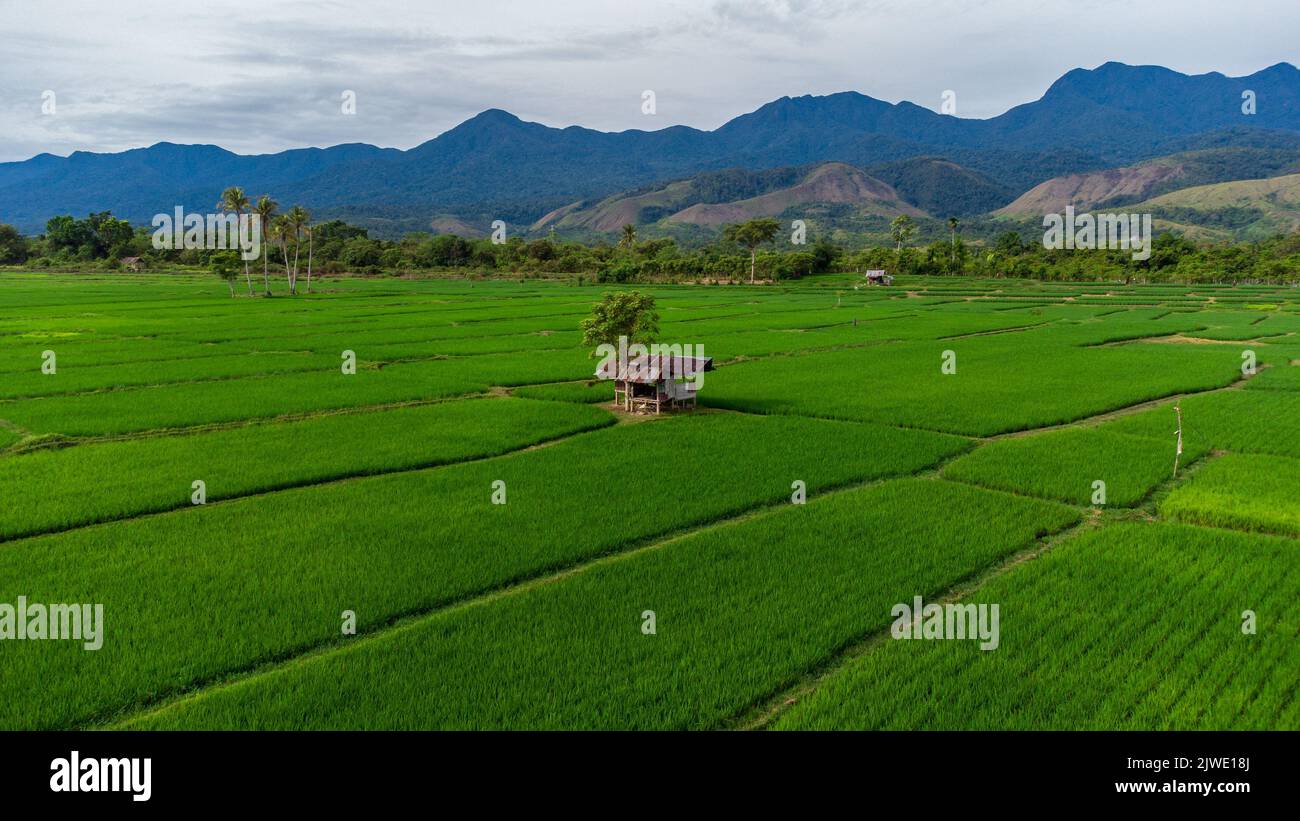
[496,165]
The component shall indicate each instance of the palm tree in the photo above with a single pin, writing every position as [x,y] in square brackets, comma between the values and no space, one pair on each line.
[628,240]
[280,230]
[952,226]
[265,210]
[309,246]
[234,199]
[295,219]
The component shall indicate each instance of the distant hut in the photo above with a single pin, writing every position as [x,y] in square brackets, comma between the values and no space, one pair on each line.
[879,278]
[652,381]
[131,263]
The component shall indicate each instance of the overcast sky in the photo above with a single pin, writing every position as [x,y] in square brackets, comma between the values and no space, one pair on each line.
[263,76]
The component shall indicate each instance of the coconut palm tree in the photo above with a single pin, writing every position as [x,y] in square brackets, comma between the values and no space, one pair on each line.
[265,210]
[309,248]
[280,231]
[629,237]
[234,199]
[952,226]
[295,218]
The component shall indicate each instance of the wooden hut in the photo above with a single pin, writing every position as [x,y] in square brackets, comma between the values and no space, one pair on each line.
[655,381]
[879,278]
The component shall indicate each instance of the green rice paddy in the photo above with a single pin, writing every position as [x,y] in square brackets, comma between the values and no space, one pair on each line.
[465,533]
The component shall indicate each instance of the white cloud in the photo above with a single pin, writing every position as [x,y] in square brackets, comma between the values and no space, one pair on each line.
[257,77]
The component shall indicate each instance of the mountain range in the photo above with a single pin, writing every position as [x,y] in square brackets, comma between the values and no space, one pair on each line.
[839,148]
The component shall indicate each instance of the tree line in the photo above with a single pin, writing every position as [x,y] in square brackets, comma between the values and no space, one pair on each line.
[752,250]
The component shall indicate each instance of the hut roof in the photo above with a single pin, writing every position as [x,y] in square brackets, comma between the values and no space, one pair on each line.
[647,370]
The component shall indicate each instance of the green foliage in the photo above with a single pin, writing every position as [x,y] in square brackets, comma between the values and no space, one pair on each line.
[825,255]
[628,314]
[13,246]
[226,266]
[361,254]
[1233,218]
[1009,244]
[98,236]
[738,184]
[941,187]
[444,251]
[753,233]
[901,230]
[986,248]
[750,235]
[234,199]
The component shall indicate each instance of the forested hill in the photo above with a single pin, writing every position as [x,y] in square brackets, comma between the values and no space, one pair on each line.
[496,164]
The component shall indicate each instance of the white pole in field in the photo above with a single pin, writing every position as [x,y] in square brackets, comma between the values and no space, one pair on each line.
[1178,450]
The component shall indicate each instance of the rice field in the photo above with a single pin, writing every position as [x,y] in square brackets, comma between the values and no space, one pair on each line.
[1080,466]
[462,531]
[827,572]
[1137,626]
[1243,492]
